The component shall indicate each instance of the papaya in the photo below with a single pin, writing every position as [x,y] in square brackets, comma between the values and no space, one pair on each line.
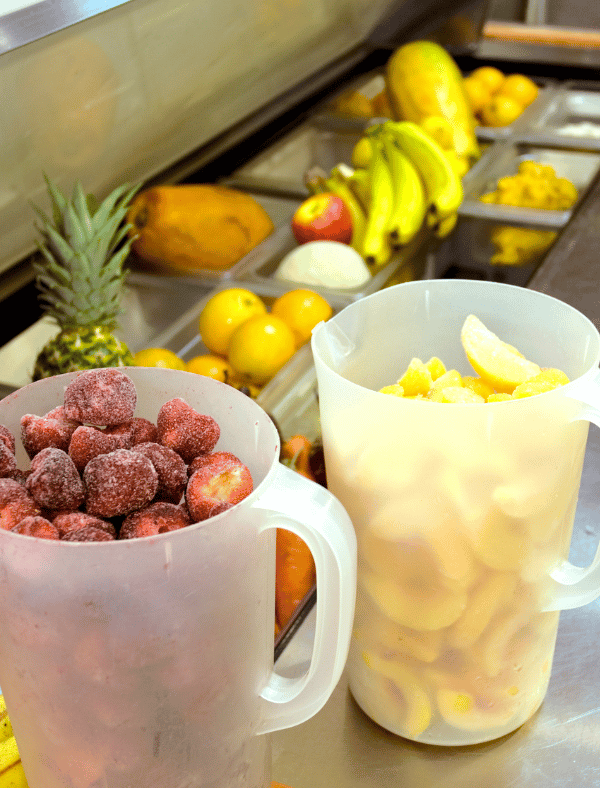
[423,81]
[190,227]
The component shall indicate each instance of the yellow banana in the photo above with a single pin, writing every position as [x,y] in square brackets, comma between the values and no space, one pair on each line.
[13,777]
[337,183]
[360,184]
[6,730]
[9,757]
[377,248]
[410,201]
[442,185]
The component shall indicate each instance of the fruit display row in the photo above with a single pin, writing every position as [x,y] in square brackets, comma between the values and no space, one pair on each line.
[415,81]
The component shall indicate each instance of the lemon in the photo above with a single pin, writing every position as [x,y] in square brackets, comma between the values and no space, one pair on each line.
[302,310]
[501,111]
[478,94]
[260,346]
[491,77]
[211,366]
[499,364]
[223,313]
[158,357]
[520,88]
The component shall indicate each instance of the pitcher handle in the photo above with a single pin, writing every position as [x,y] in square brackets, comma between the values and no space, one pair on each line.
[316,516]
[574,586]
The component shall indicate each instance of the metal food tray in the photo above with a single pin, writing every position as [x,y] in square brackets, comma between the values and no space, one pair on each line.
[573,103]
[502,159]
[280,208]
[150,304]
[280,169]
[529,116]
[410,260]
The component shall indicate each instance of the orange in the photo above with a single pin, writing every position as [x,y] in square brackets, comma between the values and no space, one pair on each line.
[260,346]
[491,77]
[501,111]
[211,366]
[223,313]
[158,357]
[301,310]
[519,88]
[478,94]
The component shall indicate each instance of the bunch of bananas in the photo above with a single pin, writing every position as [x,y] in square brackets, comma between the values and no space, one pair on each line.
[11,770]
[401,181]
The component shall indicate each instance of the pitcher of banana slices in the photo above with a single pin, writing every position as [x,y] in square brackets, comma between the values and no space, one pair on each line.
[454,419]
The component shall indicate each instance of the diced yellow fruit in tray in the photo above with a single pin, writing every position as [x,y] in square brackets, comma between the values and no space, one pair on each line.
[436,367]
[547,380]
[494,360]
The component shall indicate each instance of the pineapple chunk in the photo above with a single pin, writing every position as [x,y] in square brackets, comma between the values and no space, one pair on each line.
[547,380]
[436,367]
[477,385]
[394,389]
[417,378]
[450,378]
[499,397]
[455,395]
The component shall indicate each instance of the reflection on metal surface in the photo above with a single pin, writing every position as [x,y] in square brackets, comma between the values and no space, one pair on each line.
[23,21]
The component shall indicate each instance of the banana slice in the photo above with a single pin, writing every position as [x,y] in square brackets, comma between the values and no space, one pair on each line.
[417,712]
[485,601]
[462,710]
[428,607]
[501,542]
[376,632]
[507,640]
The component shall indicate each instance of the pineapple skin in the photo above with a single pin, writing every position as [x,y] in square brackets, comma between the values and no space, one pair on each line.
[81,348]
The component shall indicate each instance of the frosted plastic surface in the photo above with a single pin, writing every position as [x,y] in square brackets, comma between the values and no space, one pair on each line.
[149,661]
[463,513]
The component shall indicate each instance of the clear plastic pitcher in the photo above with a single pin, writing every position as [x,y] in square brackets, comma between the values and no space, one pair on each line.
[149,662]
[463,512]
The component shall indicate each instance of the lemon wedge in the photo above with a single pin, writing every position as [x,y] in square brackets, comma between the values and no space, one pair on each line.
[498,363]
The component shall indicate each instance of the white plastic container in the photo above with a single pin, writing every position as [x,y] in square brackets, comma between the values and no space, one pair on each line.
[149,662]
[463,513]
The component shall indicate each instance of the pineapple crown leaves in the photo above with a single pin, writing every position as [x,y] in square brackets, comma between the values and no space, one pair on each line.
[81,276]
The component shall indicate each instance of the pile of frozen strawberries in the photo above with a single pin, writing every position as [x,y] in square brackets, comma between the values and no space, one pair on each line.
[100,473]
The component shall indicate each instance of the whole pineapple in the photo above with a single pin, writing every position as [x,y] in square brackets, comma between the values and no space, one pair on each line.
[81,279]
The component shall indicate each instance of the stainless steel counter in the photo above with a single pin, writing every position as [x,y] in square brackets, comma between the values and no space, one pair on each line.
[559,747]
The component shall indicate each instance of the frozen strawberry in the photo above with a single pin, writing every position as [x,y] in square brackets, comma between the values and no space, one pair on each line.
[138,430]
[101,397]
[66,522]
[8,461]
[88,442]
[54,481]
[35,525]
[7,438]
[21,475]
[216,485]
[186,431]
[171,470]
[88,534]
[41,432]
[157,518]
[118,483]
[15,504]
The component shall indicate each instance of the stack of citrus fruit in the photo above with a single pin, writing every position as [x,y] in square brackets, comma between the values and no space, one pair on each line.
[249,344]
[496,99]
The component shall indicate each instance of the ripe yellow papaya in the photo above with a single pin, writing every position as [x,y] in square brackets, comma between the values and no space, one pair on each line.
[423,80]
[189,227]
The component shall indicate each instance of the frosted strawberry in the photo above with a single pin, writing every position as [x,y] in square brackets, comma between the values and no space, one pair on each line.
[157,518]
[66,522]
[100,397]
[8,461]
[53,430]
[118,483]
[137,430]
[54,482]
[171,469]
[36,526]
[15,504]
[219,482]
[88,442]
[186,431]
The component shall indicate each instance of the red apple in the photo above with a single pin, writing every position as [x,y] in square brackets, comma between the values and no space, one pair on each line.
[322,217]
